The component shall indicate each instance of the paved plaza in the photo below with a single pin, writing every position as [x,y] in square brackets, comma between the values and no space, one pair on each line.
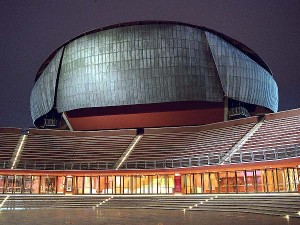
[137,217]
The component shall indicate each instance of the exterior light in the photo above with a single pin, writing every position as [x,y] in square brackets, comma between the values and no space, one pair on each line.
[137,139]
[18,152]
[287,217]
[4,200]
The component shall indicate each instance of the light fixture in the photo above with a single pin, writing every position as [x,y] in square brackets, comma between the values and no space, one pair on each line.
[129,151]
[18,152]
[287,217]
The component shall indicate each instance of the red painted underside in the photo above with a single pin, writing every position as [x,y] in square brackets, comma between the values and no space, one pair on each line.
[142,116]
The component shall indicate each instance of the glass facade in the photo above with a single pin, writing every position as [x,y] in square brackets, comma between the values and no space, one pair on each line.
[246,181]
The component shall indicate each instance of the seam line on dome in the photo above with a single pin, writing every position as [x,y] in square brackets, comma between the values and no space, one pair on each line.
[57,78]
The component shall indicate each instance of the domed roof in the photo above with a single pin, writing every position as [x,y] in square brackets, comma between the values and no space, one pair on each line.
[246,50]
[150,62]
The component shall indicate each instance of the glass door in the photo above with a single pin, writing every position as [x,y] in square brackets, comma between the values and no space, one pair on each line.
[198,184]
[27,184]
[9,184]
[127,186]
[2,184]
[118,184]
[87,185]
[232,186]
[36,184]
[270,180]
[241,181]
[79,185]
[49,185]
[250,180]
[60,185]
[281,180]
[95,185]
[223,182]
[207,184]
[214,180]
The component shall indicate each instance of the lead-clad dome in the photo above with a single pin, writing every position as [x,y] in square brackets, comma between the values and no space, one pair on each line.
[149,63]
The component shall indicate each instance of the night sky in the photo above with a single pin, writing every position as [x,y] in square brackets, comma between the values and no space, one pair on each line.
[32,29]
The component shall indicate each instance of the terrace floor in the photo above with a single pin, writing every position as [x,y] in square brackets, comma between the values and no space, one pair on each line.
[137,217]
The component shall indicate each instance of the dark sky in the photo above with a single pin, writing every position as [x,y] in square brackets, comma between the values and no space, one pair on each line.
[32,29]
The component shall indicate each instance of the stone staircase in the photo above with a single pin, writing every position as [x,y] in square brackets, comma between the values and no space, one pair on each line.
[272,204]
[51,201]
[282,204]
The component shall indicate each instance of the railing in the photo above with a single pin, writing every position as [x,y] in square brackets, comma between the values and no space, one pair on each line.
[183,162]
[60,165]
[207,160]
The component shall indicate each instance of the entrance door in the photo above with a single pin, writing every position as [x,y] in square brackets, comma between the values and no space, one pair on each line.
[69,185]
[48,185]
[241,185]
[9,184]
[87,185]
[250,181]
[2,184]
[232,187]
[17,185]
[84,185]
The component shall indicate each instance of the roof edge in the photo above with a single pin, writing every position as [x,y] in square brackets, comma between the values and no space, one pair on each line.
[246,50]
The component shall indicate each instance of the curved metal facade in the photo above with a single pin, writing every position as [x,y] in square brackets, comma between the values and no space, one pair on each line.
[242,79]
[43,92]
[154,63]
[138,65]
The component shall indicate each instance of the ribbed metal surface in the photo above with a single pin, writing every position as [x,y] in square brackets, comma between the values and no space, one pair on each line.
[43,92]
[138,65]
[242,79]
[154,63]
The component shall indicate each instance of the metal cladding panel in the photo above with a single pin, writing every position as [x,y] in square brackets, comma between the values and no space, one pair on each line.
[138,64]
[242,79]
[43,92]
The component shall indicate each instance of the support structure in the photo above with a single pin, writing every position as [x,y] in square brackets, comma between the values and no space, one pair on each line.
[127,152]
[18,150]
[241,142]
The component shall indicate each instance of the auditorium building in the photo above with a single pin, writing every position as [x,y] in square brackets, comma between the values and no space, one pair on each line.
[153,107]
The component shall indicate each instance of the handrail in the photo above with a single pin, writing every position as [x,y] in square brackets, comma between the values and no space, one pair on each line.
[271,154]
